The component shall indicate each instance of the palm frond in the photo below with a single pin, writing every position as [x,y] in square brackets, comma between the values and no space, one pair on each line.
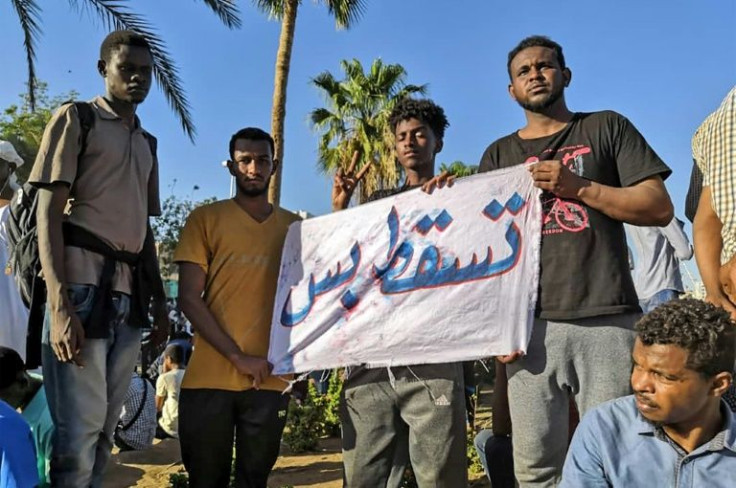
[320,116]
[273,8]
[420,89]
[227,11]
[115,16]
[28,13]
[326,82]
[346,12]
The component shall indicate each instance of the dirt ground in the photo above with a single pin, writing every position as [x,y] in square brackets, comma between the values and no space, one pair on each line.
[320,469]
[151,468]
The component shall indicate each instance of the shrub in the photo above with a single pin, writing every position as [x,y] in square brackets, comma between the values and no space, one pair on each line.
[179,480]
[474,465]
[304,422]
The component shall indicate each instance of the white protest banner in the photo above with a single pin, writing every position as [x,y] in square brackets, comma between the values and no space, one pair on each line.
[412,279]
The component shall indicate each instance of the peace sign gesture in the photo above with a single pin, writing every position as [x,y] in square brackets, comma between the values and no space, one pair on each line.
[344,183]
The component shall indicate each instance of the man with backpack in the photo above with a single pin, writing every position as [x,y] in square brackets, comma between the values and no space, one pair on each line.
[97,259]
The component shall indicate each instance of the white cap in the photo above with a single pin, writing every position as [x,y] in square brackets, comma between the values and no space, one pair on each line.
[8,153]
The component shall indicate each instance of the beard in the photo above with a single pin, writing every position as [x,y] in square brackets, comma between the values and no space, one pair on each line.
[539,106]
[253,191]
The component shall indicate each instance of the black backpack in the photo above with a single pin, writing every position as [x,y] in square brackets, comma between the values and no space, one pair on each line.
[24,261]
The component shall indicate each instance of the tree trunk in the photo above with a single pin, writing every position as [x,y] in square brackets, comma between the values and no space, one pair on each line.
[281,78]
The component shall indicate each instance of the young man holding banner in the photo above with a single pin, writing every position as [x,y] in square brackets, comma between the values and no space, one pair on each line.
[391,416]
[597,172]
[228,256]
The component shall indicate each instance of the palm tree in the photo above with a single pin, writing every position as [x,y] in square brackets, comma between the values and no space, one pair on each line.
[115,16]
[459,169]
[357,119]
[346,13]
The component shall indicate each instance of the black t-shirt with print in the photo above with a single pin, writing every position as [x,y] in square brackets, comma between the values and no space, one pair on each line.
[584,260]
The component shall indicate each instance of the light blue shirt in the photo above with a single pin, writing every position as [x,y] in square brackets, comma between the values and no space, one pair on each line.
[614,446]
[17,456]
[659,251]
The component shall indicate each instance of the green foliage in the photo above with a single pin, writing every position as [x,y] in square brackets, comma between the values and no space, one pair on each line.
[459,169]
[179,480]
[167,228]
[331,404]
[317,416]
[356,118]
[304,423]
[23,127]
[474,465]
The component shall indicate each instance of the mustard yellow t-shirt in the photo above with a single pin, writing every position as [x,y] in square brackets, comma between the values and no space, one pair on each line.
[241,259]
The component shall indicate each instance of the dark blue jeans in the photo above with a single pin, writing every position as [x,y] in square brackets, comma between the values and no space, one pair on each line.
[659,298]
[85,403]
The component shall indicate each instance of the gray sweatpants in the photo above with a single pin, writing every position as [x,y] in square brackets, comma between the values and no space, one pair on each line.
[588,359]
[423,420]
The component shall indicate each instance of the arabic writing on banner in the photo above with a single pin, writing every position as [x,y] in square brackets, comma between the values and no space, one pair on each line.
[411,279]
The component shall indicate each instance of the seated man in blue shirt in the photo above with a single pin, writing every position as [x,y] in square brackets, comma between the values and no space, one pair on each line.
[17,456]
[25,393]
[675,430]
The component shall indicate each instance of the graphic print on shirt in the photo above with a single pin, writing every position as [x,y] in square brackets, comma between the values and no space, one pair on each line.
[562,215]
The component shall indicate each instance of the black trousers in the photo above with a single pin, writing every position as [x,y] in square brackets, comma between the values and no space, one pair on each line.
[208,422]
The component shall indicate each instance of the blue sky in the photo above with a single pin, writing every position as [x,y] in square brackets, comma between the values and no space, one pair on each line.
[663,64]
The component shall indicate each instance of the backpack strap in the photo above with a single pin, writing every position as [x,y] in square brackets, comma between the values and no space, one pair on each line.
[140,407]
[152,143]
[86,116]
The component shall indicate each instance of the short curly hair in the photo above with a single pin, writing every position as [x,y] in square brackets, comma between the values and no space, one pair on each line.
[536,41]
[118,38]
[423,109]
[705,331]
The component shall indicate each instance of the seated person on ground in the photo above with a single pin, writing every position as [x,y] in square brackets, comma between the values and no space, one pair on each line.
[17,456]
[181,338]
[675,426]
[168,387]
[25,393]
[137,425]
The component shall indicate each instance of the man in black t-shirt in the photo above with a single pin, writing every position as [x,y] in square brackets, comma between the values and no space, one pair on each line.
[391,416]
[597,172]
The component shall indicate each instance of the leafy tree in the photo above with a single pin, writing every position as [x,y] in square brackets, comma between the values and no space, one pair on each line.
[356,118]
[167,228]
[345,12]
[116,16]
[459,169]
[23,127]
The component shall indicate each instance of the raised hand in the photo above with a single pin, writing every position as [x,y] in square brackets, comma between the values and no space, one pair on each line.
[344,183]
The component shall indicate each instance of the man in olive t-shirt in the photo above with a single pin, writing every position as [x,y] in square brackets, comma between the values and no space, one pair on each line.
[229,256]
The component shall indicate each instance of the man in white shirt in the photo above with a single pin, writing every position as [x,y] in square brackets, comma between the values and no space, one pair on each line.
[14,316]
[659,250]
